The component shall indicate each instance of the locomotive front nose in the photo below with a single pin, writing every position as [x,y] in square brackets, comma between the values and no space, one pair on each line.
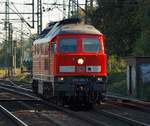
[81,65]
[81,57]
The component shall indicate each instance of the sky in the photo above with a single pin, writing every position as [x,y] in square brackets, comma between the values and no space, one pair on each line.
[51,13]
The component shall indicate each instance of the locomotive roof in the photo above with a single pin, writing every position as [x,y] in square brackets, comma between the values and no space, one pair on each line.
[68,26]
[78,29]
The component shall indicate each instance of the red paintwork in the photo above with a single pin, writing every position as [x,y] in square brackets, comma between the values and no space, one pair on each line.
[68,59]
[90,59]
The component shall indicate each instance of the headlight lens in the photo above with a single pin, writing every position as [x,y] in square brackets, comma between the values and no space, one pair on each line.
[80,61]
[100,79]
[60,79]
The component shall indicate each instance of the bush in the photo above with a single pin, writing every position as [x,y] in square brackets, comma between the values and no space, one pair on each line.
[116,64]
[117,75]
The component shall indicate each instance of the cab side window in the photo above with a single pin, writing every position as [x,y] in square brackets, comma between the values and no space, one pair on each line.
[53,47]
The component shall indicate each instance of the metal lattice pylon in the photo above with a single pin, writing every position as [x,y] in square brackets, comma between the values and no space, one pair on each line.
[88,9]
[73,8]
[39,16]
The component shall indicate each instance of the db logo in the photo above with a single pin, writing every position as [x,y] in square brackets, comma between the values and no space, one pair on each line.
[80,68]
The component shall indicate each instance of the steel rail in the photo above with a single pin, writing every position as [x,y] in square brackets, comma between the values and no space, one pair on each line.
[87,119]
[18,90]
[26,100]
[18,82]
[7,80]
[104,112]
[13,83]
[123,99]
[33,98]
[22,100]
[122,118]
[129,102]
[130,105]
[76,115]
[15,119]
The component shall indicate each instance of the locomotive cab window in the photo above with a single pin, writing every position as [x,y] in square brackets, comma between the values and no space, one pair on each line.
[91,45]
[68,45]
[53,47]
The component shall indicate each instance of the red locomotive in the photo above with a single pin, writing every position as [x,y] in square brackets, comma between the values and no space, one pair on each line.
[69,62]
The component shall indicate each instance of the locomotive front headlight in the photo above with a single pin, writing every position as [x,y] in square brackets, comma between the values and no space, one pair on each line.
[99,79]
[80,61]
[60,79]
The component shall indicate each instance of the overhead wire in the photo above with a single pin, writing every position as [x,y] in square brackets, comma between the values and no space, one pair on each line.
[64,14]
[17,3]
[19,14]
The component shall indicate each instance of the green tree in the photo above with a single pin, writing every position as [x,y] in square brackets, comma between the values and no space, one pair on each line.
[117,21]
[143,42]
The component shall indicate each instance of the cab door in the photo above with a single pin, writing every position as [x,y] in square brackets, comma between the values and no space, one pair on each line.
[52,53]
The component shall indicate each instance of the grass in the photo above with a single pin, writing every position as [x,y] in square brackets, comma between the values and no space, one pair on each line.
[4,72]
[23,77]
[117,76]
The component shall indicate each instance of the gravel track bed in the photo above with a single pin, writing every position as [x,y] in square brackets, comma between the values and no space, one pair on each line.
[7,95]
[106,120]
[37,114]
[4,121]
[131,113]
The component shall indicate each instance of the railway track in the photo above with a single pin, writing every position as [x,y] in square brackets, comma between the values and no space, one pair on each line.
[105,115]
[15,121]
[125,100]
[68,114]
[128,102]
[23,84]
[129,110]
[123,116]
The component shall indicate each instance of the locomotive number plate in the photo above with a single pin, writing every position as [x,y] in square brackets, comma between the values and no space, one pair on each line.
[80,69]
[80,79]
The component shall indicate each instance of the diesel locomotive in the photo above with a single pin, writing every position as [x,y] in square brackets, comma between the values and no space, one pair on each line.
[70,62]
